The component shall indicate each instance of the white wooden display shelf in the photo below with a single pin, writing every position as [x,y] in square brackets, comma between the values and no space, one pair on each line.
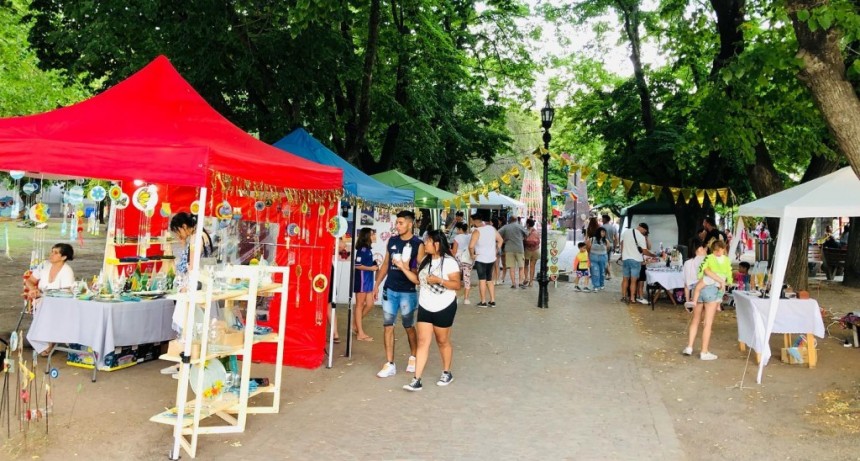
[228,404]
[238,350]
[232,409]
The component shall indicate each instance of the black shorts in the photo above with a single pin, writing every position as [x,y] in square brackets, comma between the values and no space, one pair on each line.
[642,273]
[441,319]
[485,270]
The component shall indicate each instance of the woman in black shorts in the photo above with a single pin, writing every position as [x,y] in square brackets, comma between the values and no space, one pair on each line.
[438,280]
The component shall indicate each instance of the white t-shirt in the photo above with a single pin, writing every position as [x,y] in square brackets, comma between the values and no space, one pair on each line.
[462,243]
[691,270]
[64,279]
[485,248]
[435,298]
[630,250]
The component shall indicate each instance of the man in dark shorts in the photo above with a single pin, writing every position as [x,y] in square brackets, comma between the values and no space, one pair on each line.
[484,246]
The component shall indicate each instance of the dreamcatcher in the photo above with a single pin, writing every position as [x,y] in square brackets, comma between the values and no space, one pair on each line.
[145,198]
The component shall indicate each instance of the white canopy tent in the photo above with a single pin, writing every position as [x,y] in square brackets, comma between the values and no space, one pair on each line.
[837,194]
[496,200]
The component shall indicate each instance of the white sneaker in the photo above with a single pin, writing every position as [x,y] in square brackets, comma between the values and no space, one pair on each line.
[586,289]
[410,366]
[687,351]
[642,301]
[388,370]
[466,301]
[707,356]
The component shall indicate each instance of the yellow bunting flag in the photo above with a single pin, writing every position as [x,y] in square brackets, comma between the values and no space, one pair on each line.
[712,196]
[584,170]
[687,194]
[538,152]
[700,196]
[614,182]
[628,183]
[515,172]
[644,188]
[601,178]
[724,195]
[476,196]
[526,163]
[457,201]
[446,203]
[657,191]
[574,167]
[485,191]
[675,192]
[506,178]
[495,185]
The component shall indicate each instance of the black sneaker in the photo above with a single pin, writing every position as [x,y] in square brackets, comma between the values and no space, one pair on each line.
[482,304]
[445,379]
[414,386]
[492,304]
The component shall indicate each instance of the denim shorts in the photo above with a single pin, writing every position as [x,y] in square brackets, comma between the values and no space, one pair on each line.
[404,302]
[710,294]
[632,268]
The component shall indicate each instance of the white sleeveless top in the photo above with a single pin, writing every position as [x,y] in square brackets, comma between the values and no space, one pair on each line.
[485,249]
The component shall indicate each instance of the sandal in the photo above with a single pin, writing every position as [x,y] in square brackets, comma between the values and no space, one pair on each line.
[336,340]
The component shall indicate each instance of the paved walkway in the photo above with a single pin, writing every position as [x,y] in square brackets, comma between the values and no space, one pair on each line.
[562,383]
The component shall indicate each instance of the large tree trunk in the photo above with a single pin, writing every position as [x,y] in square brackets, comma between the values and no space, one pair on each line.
[360,119]
[852,263]
[630,14]
[797,270]
[824,74]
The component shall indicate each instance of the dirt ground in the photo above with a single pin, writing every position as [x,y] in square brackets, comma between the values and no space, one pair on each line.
[797,413]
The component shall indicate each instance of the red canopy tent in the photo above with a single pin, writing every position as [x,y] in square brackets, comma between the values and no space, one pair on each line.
[155,127]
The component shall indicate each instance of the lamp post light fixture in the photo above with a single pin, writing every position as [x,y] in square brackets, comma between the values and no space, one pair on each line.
[547,114]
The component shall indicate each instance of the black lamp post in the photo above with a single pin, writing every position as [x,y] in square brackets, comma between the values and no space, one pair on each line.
[546,116]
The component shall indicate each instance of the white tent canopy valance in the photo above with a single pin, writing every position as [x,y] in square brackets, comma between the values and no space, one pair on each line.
[837,194]
[497,200]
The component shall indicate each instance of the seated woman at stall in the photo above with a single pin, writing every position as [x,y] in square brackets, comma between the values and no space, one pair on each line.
[53,274]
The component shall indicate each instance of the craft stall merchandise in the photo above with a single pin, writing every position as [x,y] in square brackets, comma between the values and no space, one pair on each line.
[26,399]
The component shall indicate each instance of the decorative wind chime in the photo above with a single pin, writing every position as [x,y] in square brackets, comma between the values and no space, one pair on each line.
[76,200]
[120,202]
[319,282]
[33,399]
[17,205]
[97,194]
[145,198]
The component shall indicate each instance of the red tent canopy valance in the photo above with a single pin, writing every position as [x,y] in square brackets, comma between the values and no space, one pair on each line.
[152,126]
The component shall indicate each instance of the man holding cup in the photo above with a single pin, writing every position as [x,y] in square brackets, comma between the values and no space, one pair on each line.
[399,294]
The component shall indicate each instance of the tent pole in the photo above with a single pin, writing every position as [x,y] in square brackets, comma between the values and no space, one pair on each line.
[350,307]
[332,294]
[780,260]
[188,327]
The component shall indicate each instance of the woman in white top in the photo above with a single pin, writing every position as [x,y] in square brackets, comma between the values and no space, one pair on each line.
[53,274]
[460,250]
[438,280]
[691,272]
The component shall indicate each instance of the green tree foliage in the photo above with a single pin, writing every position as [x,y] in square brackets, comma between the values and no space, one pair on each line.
[417,85]
[24,87]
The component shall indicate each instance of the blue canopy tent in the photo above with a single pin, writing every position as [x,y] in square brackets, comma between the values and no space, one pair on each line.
[358,188]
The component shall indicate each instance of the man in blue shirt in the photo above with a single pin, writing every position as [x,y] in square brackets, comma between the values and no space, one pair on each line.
[399,293]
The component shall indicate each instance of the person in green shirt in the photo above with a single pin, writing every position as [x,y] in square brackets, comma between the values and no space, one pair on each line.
[714,274]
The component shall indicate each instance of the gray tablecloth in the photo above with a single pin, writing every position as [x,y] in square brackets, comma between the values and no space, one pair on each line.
[100,325]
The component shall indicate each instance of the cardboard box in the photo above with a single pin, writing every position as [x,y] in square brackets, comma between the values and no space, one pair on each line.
[176,348]
[791,359]
[148,352]
[233,338]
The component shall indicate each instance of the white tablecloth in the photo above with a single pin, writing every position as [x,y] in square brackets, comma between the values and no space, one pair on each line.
[667,279]
[797,316]
[100,325]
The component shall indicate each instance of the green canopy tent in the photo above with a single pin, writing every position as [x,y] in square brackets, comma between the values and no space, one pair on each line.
[426,196]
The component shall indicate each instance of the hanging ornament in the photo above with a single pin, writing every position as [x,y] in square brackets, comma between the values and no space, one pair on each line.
[337,226]
[165,210]
[16,174]
[224,210]
[195,207]
[38,213]
[320,283]
[115,193]
[145,197]
[122,202]
[259,205]
[76,195]
[30,188]
[98,193]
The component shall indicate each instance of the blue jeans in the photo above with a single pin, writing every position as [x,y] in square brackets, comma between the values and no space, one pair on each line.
[404,302]
[598,270]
